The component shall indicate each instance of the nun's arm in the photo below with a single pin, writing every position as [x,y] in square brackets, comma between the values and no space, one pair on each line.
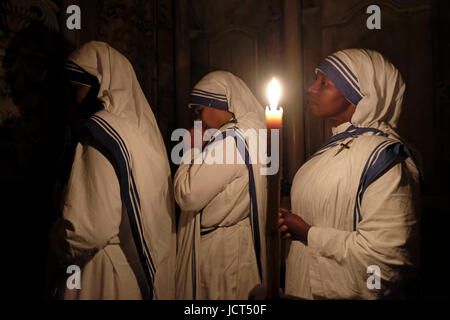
[92,208]
[196,184]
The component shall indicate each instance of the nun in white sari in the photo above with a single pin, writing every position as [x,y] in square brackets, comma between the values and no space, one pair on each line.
[117,221]
[221,241]
[355,221]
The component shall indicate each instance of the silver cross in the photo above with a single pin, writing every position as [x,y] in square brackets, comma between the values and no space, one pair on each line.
[344,146]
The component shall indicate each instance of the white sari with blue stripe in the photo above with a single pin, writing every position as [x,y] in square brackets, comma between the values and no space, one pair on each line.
[360,192]
[118,219]
[221,232]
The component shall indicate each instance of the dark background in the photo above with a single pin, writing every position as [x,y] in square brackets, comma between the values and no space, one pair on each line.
[171,45]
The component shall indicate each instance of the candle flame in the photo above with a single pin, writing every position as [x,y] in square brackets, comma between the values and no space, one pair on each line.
[273,93]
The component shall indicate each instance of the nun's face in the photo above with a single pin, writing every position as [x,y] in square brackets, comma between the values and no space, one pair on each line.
[75,93]
[212,118]
[78,91]
[327,102]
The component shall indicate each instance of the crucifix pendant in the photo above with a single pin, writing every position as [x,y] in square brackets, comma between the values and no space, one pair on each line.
[344,146]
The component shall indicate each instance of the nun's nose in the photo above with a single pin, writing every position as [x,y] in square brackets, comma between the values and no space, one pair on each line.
[313,87]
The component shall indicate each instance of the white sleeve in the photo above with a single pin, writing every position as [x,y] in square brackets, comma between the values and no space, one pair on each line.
[196,184]
[92,208]
[387,238]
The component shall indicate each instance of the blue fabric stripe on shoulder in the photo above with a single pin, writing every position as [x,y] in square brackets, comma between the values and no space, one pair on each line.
[351,131]
[133,188]
[372,157]
[386,155]
[242,148]
[104,134]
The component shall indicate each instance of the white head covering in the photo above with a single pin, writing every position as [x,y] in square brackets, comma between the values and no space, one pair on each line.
[369,81]
[119,91]
[224,91]
[128,119]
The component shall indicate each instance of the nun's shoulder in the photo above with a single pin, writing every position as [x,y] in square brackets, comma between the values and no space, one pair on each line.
[369,143]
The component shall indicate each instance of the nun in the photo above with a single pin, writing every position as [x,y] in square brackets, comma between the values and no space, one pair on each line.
[116,237]
[221,242]
[354,225]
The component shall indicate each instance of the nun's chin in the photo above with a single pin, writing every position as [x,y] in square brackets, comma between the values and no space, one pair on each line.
[315,110]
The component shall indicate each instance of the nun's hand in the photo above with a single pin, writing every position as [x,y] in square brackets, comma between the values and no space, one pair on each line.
[292,226]
[191,136]
[282,227]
